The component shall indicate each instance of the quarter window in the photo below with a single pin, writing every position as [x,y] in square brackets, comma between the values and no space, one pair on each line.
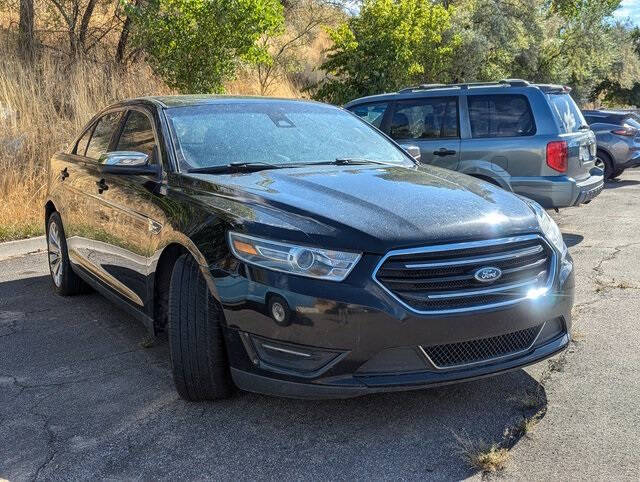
[102,135]
[431,118]
[500,116]
[137,134]
[372,113]
[81,146]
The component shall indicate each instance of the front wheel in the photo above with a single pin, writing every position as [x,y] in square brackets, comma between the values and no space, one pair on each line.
[198,353]
[65,281]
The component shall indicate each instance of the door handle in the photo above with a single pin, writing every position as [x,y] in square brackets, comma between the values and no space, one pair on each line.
[64,174]
[102,186]
[444,152]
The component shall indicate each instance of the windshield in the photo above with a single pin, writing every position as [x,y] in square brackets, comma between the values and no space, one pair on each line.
[274,132]
[566,112]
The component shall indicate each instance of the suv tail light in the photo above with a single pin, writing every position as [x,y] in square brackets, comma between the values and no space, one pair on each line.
[628,132]
[557,155]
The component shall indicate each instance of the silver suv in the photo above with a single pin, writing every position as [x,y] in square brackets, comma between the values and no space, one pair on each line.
[527,138]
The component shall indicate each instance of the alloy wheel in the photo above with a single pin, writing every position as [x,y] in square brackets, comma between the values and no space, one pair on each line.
[55,254]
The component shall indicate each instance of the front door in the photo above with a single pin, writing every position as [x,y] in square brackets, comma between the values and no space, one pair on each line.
[431,123]
[128,215]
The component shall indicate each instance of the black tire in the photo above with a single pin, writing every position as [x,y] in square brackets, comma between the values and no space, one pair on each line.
[607,163]
[617,173]
[198,354]
[65,281]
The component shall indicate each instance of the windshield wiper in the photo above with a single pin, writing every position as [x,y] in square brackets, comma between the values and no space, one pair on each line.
[351,161]
[236,167]
[584,127]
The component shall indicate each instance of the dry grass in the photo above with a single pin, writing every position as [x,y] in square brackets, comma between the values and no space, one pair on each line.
[43,107]
[487,458]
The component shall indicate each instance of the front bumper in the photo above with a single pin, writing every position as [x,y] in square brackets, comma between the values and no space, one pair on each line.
[366,336]
[560,191]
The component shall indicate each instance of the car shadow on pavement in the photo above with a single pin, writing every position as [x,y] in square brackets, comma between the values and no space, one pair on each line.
[618,183]
[85,400]
[571,239]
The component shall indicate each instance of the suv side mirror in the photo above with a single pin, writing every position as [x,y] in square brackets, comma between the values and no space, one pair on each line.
[127,162]
[413,151]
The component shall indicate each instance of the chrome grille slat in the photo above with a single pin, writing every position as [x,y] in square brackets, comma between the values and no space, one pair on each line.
[477,260]
[437,284]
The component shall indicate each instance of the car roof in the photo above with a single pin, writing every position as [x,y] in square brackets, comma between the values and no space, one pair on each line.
[430,90]
[169,101]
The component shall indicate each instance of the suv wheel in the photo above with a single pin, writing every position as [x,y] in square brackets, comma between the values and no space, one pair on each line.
[198,354]
[604,162]
[65,281]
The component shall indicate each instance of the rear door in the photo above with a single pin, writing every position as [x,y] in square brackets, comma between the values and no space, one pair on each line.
[432,124]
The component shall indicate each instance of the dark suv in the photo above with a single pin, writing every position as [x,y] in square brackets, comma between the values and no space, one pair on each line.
[526,138]
[289,248]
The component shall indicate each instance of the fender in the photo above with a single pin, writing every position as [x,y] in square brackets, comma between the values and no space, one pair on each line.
[488,170]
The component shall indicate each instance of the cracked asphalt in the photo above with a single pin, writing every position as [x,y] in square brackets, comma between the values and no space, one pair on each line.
[80,396]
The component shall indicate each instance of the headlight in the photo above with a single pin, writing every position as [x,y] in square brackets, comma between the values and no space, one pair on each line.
[548,226]
[291,258]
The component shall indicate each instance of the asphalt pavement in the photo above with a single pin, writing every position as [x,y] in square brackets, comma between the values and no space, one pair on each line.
[82,397]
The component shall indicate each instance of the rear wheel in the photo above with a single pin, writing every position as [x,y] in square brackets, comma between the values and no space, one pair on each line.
[198,353]
[605,163]
[617,173]
[65,281]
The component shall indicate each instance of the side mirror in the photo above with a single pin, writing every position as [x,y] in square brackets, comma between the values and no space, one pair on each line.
[413,151]
[127,162]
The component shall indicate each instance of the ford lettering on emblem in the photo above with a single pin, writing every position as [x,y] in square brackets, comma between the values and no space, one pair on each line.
[488,274]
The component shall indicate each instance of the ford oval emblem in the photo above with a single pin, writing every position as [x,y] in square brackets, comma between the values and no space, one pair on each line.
[488,274]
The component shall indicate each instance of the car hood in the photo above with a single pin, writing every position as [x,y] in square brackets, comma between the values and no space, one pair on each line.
[372,208]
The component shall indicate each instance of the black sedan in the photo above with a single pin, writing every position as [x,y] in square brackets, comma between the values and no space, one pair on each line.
[290,248]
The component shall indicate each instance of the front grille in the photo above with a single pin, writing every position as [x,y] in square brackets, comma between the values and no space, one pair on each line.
[483,350]
[438,279]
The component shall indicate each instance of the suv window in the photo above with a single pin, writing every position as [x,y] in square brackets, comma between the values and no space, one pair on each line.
[502,115]
[566,112]
[137,134]
[102,134]
[429,118]
[372,113]
[81,146]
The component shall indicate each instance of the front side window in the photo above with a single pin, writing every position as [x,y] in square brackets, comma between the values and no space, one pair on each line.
[566,112]
[102,134]
[372,113]
[274,132]
[137,134]
[430,118]
[502,115]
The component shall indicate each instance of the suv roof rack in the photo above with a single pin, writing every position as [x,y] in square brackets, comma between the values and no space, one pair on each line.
[466,85]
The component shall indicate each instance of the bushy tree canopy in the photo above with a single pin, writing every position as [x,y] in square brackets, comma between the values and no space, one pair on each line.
[195,45]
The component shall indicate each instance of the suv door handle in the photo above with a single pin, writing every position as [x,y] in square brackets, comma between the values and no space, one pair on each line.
[444,152]
[102,186]
[64,174]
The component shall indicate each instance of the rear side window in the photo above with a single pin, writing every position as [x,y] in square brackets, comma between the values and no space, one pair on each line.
[429,118]
[81,146]
[566,112]
[372,113]
[137,134]
[500,116]
[102,134]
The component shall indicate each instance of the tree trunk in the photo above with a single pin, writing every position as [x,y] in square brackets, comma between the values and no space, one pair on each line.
[26,30]
[122,42]
[84,24]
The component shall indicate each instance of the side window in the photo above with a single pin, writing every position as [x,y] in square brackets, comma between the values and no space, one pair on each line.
[372,113]
[102,134]
[137,135]
[429,118]
[503,115]
[81,146]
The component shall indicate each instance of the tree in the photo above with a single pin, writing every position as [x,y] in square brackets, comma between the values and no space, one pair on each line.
[389,45]
[26,29]
[195,45]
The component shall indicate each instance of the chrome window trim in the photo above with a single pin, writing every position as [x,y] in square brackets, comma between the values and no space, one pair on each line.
[468,245]
[514,354]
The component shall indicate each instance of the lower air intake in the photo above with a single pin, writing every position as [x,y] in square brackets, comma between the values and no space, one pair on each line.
[481,351]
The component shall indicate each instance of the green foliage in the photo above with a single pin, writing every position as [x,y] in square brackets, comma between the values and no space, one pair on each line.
[390,44]
[195,45]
